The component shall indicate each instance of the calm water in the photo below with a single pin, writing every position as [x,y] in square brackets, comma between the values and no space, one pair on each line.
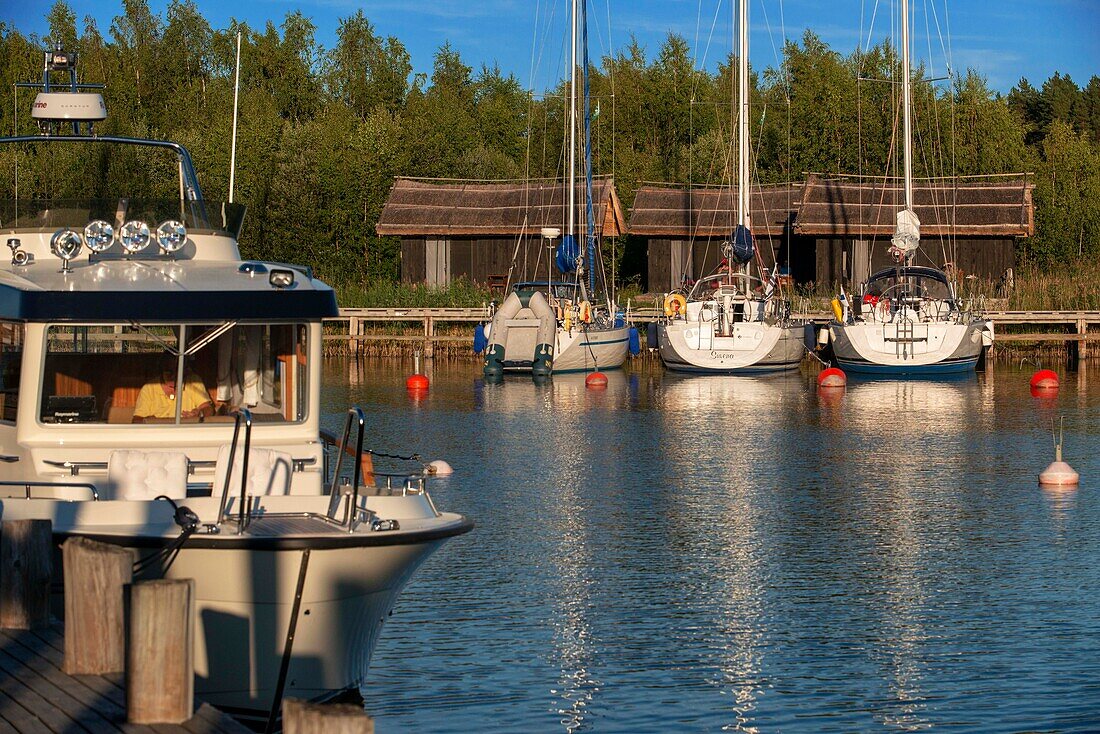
[716,553]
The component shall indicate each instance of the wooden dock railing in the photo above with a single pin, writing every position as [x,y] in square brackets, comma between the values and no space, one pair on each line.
[357,326]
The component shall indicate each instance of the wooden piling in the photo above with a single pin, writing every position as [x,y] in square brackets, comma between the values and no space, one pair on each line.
[95,573]
[300,717]
[160,665]
[25,572]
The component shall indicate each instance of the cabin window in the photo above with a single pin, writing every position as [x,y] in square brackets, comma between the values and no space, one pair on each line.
[11,363]
[130,373]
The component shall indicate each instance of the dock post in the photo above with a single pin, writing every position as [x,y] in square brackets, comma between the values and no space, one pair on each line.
[1083,348]
[25,571]
[95,573]
[429,337]
[160,675]
[300,717]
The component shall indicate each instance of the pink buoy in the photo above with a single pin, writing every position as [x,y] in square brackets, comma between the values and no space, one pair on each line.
[1059,474]
[832,377]
[596,381]
[1044,380]
[439,468]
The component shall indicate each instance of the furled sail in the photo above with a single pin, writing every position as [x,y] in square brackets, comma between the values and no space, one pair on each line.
[568,253]
[906,235]
[743,247]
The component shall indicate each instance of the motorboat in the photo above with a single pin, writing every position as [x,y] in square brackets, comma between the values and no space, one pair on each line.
[160,393]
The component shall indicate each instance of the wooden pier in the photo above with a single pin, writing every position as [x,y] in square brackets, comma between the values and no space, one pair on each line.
[117,671]
[37,697]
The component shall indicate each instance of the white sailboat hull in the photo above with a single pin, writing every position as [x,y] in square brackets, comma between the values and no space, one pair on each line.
[575,349]
[752,347]
[937,347]
[589,349]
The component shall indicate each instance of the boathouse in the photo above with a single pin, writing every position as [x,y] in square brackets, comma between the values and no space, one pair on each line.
[968,224]
[687,226]
[476,229]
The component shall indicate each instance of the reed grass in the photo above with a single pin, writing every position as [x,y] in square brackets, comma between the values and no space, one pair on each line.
[461,293]
[1074,286]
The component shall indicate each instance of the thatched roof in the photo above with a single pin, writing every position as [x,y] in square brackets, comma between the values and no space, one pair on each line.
[965,206]
[667,210]
[418,207]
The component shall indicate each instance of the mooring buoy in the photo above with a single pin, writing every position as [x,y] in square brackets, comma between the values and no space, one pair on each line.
[832,377]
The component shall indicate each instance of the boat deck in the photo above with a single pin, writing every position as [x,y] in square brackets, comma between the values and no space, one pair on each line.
[37,697]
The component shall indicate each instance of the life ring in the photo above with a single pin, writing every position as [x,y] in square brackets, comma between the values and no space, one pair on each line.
[585,312]
[675,305]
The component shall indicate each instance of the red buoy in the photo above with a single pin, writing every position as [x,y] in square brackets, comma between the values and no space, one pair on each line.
[417,382]
[1044,380]
[596,381]
[832,377]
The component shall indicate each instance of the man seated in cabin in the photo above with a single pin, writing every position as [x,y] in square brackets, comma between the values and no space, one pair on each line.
[157,399]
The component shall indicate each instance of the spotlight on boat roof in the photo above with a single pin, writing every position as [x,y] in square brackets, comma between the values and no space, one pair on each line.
[281,278]
[60,60]
[99,235]
[171,236]
[66,244]
[134,236]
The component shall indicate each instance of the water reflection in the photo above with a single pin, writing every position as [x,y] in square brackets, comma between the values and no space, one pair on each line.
[705,553]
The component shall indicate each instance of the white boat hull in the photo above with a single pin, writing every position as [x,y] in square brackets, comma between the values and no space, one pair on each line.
[582,350]
[245,584]
[752,347]
[902,349]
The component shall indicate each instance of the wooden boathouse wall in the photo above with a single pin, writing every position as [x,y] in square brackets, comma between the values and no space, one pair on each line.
[472,229]
[970,224]
[685,228]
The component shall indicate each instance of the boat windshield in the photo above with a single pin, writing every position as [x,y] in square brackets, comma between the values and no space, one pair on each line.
[50,215]
[129,373]
[705,287]
[911,284]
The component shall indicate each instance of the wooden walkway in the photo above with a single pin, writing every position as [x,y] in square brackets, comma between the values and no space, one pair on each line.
[36,697]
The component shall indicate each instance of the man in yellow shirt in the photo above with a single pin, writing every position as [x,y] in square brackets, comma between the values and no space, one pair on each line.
[158,399]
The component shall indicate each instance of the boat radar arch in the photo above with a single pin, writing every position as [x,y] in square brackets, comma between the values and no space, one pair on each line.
[68,102]
[51,107]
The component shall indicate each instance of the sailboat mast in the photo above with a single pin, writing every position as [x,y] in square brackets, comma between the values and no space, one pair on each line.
[571,230]
[907,104]
[743,114]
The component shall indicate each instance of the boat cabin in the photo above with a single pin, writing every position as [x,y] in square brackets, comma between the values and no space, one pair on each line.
[130,324]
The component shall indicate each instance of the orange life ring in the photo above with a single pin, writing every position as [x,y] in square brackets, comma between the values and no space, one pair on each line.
[675,305]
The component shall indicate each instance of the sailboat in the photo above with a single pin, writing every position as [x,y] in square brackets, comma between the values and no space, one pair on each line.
[549,326]
[732,322]
[909,319]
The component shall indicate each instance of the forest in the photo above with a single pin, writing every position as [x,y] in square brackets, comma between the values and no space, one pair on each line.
[324,131]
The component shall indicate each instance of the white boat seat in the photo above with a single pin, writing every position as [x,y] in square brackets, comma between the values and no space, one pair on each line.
[268,472]
[144,475]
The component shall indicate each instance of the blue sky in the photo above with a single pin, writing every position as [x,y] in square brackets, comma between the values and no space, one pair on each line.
[1004,40]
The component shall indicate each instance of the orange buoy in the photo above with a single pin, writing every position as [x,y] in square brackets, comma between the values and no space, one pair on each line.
[1044,380]
[832,377]
[596,381]
[416,380]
